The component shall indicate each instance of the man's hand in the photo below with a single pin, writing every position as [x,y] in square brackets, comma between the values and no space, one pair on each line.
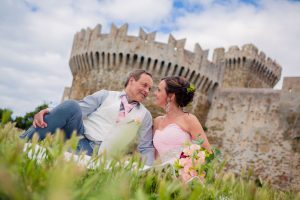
[38,120]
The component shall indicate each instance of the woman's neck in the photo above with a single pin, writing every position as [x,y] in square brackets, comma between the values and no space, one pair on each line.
[174,111]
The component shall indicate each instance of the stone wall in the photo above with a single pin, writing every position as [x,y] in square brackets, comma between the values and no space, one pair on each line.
[94,80]
[291,84]
[252,128]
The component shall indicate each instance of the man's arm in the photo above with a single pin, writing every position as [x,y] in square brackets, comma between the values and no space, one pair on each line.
[88,105]
[145,145]
[92,102]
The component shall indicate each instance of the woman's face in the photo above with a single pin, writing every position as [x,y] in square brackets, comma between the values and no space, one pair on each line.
[161,95]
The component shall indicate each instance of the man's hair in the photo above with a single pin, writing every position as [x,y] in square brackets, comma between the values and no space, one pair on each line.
[136,74]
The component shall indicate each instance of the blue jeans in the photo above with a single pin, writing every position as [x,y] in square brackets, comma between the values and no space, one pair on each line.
[68,117]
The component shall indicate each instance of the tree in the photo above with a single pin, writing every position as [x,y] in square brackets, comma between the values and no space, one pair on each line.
[5,115]
[26,121]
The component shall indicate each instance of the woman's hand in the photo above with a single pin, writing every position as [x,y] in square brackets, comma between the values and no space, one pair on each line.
[196,131]
[38,120]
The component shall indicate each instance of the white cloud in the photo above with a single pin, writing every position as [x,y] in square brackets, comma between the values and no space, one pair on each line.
[22,91]
[146,12]
[265,26]
[36,39]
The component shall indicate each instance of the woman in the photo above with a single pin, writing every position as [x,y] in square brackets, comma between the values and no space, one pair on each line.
[173,130]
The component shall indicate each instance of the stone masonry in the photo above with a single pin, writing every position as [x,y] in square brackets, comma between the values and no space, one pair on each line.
[255,126]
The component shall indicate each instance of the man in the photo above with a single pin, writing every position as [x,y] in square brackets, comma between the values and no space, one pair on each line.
[97,117]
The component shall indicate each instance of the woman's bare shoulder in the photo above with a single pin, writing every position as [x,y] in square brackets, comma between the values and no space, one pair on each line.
[189,117]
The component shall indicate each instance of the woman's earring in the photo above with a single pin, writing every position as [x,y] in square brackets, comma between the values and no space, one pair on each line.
[167,106]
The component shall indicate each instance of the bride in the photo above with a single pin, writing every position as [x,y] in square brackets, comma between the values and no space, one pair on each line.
[176,127]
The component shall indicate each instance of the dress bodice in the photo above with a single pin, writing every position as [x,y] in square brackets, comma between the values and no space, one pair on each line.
[170,141]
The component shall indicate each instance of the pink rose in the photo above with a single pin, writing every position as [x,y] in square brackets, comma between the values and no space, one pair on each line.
[195,147]
[186,168]
[193,173]
[187,151]
[201,155]
[185,161]
[182,161]
[180,172]
[186,177]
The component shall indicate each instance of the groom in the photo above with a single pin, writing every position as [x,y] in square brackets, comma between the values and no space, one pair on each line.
[98,116]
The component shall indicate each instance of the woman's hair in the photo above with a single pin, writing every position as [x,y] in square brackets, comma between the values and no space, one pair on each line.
[183,90]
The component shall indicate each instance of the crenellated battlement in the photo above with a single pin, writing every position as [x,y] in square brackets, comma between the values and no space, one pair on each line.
[238,67]
[93,49]
[268,71]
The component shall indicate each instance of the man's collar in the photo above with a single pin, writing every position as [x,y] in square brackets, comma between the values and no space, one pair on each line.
[123,93]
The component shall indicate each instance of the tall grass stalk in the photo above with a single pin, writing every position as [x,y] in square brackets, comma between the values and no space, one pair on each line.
[54,177]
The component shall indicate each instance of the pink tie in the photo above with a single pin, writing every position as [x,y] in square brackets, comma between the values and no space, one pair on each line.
[127,108]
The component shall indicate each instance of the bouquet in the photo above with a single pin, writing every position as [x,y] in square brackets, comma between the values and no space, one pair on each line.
[193,162]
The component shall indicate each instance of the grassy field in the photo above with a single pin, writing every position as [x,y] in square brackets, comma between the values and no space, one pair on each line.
[53,177]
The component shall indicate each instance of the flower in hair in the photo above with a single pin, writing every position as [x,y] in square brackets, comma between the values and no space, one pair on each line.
[191,88]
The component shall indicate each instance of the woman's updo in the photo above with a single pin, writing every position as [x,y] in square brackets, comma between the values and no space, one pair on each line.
[183,90]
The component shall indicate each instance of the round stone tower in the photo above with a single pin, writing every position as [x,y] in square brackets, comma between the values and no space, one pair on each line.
[101,61]
[247,68]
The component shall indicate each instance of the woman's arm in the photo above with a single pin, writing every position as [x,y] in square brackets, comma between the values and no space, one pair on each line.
[196,130]
[155,126]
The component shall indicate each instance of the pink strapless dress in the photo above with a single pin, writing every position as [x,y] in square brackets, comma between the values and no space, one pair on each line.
[170,141]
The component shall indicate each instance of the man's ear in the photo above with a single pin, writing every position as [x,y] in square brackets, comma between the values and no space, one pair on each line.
[131,79]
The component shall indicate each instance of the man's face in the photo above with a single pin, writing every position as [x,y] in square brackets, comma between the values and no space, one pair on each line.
[138,90]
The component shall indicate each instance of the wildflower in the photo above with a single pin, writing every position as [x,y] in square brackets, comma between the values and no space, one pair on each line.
[137,121]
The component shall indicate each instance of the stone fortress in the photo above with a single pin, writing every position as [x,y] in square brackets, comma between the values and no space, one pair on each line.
[255,126]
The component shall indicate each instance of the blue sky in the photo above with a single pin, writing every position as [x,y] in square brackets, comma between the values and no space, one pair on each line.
[36,36]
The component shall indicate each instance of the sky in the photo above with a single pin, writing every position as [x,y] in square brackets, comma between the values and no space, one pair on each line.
[36,36]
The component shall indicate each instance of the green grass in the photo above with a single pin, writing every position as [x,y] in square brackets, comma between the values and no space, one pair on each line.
[56,178]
